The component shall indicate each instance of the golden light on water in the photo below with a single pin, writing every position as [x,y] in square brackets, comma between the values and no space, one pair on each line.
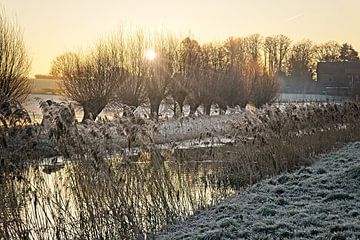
[150,55]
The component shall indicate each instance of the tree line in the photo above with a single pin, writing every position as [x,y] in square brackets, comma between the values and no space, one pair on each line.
[115,70]
[234,72]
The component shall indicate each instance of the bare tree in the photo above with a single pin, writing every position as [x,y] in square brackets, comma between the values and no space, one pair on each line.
[276,49]
[184,83]
[264,88]
[14,61]
[231,90]
[301,59]
[348,53]
[205,77]
[235,87]
[179,90]
[284,48]
[271,53]
[328,52]
[253,47]
[211,73]
[235,48]
[132,91]
[91,80]
[301,65]
[160,70]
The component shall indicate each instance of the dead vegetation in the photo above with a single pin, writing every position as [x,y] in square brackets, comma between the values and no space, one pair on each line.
[95,197]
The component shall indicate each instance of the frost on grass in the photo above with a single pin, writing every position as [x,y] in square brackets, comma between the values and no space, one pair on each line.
[317,202]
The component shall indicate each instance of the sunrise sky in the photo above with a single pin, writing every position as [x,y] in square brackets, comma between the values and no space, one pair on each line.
[53,26]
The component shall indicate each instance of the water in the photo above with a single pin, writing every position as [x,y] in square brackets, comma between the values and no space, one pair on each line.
[111,198]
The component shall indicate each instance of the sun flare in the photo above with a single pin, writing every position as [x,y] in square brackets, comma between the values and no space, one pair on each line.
[150,54]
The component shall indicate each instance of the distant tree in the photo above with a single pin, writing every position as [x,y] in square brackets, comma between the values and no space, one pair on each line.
[234,50]
[14,61]
[284,48]
[160,71]
[132,91]
[264,88]
[301,66]
[253,46]
[230,88]
[276,49]
[214,65]
[91,80]
[186,73]
[328,52]
[348,53]
[271,53]
[301,60]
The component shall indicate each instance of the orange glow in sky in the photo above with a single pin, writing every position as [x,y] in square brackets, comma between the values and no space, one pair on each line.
[52,27]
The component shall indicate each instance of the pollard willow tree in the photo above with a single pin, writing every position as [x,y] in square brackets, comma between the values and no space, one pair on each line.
[160,70]
[132,90]
[232,90]
[92,80]
[14,70]
[185,80]
[213,68]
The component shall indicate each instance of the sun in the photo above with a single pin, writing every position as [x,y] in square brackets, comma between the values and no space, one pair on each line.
[150,54]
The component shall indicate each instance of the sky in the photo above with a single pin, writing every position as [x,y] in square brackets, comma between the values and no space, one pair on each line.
[52,27]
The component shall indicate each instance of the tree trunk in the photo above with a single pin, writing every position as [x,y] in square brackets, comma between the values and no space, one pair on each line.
[179,104]
[154,109]
[207,109]
[181,107]
[193,108]
[87,115]
[223,108]
[243,103]
[91,113]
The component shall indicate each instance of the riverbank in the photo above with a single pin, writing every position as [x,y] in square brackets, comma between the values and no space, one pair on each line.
[317,202]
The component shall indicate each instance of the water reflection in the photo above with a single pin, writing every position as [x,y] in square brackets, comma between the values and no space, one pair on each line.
[107,199]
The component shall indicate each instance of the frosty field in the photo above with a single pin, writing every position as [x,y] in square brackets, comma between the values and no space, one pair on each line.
[321,201]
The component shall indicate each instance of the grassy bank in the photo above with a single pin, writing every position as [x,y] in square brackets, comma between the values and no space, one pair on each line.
[316,202]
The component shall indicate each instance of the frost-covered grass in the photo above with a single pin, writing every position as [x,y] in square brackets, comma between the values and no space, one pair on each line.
[117,198]
[321,201]
[255,125]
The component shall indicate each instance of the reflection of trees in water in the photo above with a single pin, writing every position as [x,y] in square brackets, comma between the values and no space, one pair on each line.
[107,199]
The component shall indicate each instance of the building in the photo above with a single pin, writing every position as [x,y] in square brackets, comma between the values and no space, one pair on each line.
[338,78]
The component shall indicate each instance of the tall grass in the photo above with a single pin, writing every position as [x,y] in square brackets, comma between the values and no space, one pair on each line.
[103,195]
[93,199]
